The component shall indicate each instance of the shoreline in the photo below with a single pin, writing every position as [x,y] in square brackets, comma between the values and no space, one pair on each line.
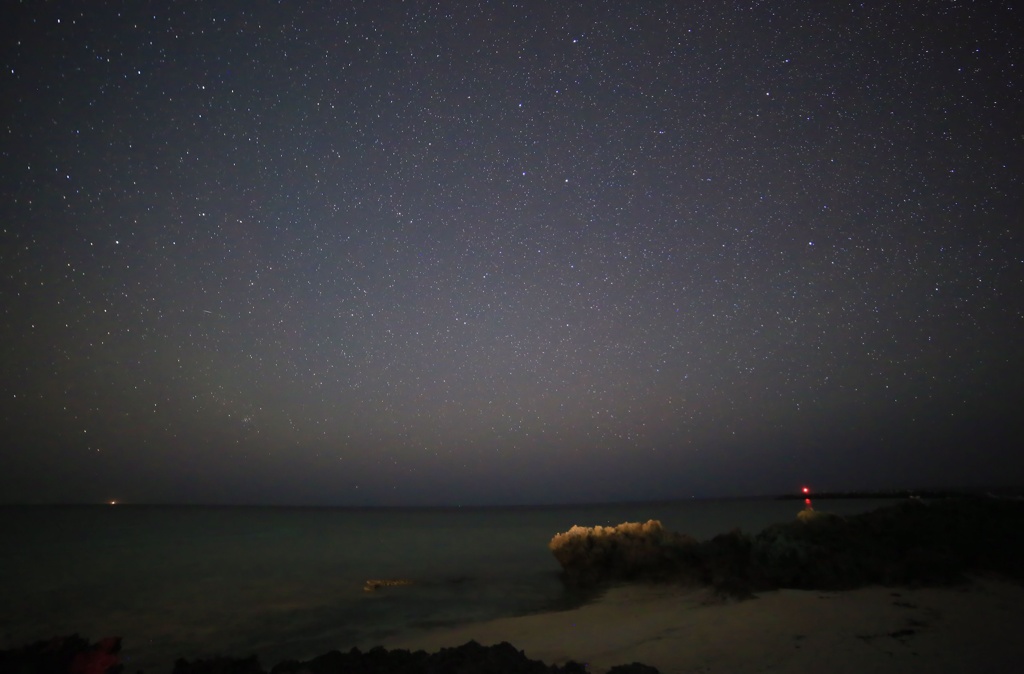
[972,627]
[908,587]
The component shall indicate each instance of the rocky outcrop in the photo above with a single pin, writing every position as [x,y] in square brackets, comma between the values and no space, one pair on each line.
[910,543]
[632,551]
[629,551]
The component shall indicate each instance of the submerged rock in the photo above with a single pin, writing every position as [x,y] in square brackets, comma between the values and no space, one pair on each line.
[908,543]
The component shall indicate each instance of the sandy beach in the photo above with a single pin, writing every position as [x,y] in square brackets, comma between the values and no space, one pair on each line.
[978,627]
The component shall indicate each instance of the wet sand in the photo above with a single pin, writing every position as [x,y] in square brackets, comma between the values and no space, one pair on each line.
[978,627]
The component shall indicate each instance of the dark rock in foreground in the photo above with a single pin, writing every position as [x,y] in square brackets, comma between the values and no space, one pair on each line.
[219,665]
[633,668]
[910,543]
[468,658]
[64,655]
[74,655]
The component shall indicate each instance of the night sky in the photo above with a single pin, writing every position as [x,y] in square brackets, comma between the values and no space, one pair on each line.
[386,253]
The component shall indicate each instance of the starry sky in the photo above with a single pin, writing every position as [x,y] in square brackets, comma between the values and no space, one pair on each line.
[426,253]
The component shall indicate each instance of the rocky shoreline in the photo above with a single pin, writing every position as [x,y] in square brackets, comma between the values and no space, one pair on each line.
[911,544]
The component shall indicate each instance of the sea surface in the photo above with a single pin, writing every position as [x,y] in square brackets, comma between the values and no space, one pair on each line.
[286,583]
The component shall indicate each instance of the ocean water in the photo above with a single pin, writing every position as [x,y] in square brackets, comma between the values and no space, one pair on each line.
[288,582]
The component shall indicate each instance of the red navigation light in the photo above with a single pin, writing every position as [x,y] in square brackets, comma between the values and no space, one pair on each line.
[807,490]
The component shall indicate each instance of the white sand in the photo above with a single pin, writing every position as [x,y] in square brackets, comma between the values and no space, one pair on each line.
[975,628]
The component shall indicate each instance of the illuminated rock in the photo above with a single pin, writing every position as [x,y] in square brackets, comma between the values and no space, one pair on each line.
[631,550]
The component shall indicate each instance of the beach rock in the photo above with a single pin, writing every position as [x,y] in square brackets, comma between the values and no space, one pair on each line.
[810,553]
[64,655]
[726,565]
[910,543]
